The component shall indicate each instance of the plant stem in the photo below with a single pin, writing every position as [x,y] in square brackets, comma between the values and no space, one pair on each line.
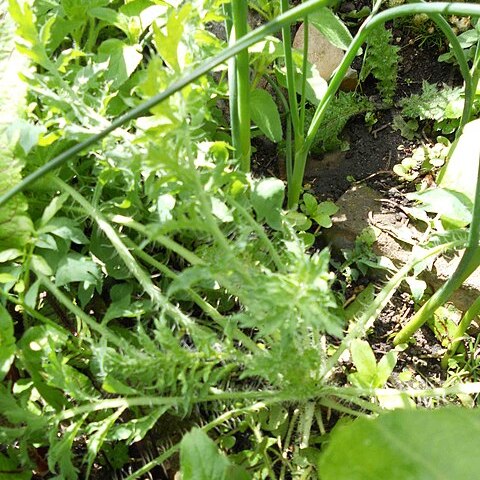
[232,81]
[212,312]
[241,86]
[306,421]
[290,75]
[304,76]
[370,23]
[461,330]
[80,314]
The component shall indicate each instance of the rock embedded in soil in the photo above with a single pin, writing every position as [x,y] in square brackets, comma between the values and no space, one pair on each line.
[361,207]
[325,56]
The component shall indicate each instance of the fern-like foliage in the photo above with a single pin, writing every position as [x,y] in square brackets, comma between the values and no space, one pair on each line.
[381,60]
[444,106]
[432,103]
[345,106]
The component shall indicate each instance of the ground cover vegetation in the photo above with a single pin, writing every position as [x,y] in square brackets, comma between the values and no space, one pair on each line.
[164,311]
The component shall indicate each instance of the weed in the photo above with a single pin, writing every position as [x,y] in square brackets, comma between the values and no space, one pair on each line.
[381,61]
[153,279]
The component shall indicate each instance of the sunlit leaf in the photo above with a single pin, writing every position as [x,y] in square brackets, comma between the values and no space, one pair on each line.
[405,444]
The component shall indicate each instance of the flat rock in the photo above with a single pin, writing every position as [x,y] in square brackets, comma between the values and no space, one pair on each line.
[361,207]
[325,56]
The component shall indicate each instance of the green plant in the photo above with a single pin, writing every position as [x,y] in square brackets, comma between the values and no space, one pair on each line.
[342,108]
[381,60]
[159,284]
[463,205]
[423,160]
[444,106]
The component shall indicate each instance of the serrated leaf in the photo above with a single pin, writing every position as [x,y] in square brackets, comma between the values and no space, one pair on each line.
[405,444]
[123,60]
[327,23]
[77,268]
[61,453]
[200,458]
[97,439]
[134,430]
[168,42]
[265,114]
[7,342]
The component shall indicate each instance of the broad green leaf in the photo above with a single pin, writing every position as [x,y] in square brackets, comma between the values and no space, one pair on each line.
[405,445]
[327,23]
[460,172]
[9,254]
[200,458]
[361,302]
[265,114]
[65,228]
[364,361]
[315,87]
[267,50]
[7,342]
[385,368]
[52,208]
[77,268]
[323,213]
[417,287]
[111,17]
[144,12]
[454,207]
[24,134]
[267,200]
[123,60]
[311,204]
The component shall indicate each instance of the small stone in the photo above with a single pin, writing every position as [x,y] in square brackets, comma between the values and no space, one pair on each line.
[360,207]
[325,56]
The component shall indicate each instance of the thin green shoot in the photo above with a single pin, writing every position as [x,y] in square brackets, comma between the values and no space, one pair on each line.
[461,330]
[240,83]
